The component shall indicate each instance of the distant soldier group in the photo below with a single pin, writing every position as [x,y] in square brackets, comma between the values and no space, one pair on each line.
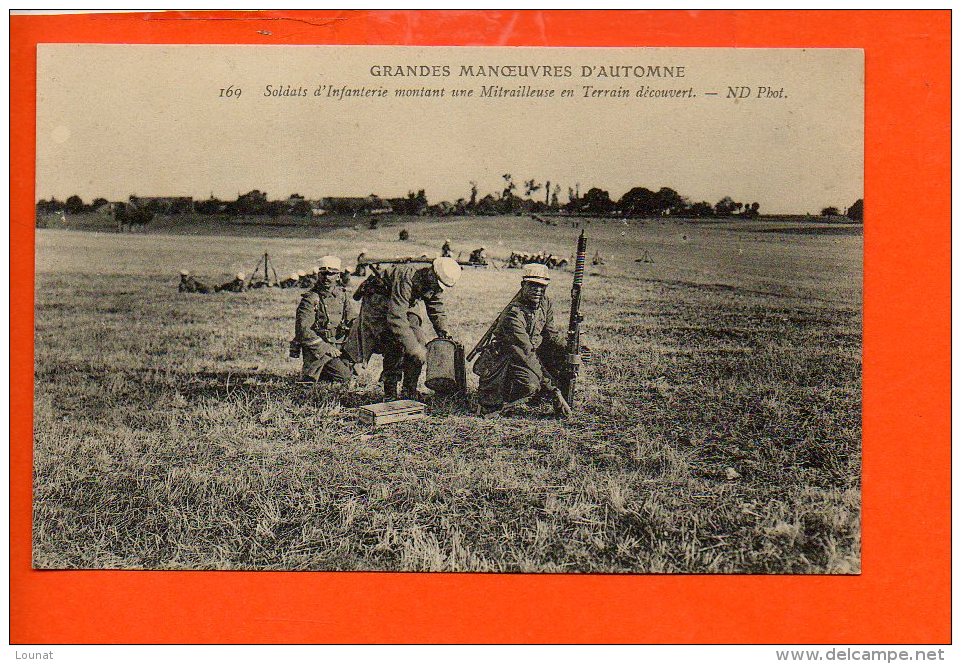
[302,279]
[519,259]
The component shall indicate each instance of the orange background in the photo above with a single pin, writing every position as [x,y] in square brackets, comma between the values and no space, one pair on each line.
[903,593]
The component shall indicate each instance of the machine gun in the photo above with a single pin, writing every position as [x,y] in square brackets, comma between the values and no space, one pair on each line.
[425,260]
[488,336]
[568,379]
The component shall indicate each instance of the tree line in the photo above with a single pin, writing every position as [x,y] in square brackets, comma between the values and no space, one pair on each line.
[530,197]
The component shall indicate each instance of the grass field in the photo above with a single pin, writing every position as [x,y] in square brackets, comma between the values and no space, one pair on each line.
[718,429]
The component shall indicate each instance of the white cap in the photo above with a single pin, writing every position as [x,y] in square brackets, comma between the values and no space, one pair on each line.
[184,273]
[537,272]
[447,271]
[293,275]
[315,270]
[329,264]
[301,273]
[447,240]
[241,276]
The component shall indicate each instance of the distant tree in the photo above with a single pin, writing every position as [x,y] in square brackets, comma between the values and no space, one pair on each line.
[597,201]
[856,211]
[74,204]
[701,209]
[530,187]
[509,186]
[725,207]
[547,193]
[98,203]
[554,197]
[404,235]
[488,205]
[755,206]
[300,208]
[830,212]
[570,195]
[473,193]
[668,201]
[53,205]
[638,202]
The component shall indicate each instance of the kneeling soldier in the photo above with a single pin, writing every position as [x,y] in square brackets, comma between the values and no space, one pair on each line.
[322,322]
[388,325]
[525,351]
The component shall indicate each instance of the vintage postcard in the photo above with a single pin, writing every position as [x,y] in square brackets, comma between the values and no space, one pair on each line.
[542,310]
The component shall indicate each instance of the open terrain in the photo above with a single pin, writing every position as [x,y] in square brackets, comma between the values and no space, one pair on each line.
[717,430]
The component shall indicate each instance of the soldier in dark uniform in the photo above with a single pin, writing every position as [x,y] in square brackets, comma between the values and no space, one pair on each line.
[477,257]
[525,352]
[446,250]
[322,321]
[388,325]
[236,285]
[190,284]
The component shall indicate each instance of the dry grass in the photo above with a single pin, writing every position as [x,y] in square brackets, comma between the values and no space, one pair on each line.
[718,429]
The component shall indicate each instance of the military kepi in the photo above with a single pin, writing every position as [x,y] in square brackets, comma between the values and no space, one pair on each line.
[329,264]
[447,271]
[538,273]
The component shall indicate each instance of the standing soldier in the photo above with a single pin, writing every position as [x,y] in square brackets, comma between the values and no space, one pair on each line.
[322,320]
[524,352]
[190,284]
[236,285]
[446,250]
[388,325]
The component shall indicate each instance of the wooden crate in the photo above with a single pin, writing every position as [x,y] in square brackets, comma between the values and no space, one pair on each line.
[377,414]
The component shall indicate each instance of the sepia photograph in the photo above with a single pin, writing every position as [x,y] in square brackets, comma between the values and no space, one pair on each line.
[448,309]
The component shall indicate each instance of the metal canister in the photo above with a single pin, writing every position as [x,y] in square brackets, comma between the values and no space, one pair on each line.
[446,370]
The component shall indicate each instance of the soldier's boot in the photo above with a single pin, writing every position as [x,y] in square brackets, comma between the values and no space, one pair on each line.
[409,391]
[390,390]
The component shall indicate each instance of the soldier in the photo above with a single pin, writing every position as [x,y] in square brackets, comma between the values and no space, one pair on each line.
[323,317]
[190,284]
[477,257]
[308,279]
[236,285]
[290,281]
[361,269]
[446,250]
[388,326]
[525,351]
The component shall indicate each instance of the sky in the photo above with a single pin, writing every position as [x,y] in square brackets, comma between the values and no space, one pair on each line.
[116,120]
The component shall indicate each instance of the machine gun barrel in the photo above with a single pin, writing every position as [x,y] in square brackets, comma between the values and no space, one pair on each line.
[423,260]
[568,382]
